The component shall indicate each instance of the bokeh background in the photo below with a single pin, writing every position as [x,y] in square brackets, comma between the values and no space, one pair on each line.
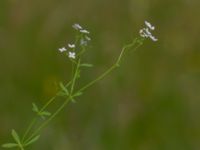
[152,102]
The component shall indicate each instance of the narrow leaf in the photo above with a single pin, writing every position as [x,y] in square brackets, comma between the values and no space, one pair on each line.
[15,136]
[43,117]
[78,94]
[68,84]
[72,99]
[9,145]
[46,113]
[32,140]
[64,88]
[62,94]
[35,108]
[86,65]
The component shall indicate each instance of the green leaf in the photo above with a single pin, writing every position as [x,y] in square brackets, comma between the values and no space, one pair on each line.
[72,99]
[78,94]
[32,140]
[15,136]
[9,145]
[86,65]
[35,108]
[43,117]
[45,113]
[64,88]
[61,93]
[68,84]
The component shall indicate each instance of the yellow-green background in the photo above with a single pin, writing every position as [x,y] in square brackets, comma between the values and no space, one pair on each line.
[152,102]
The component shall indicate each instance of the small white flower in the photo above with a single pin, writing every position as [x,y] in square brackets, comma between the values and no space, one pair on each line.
[88,38]
[72,55]
[71,45]
[84,31]
[76,26]
[149,25]
[83,42]
[153,38]
[62,49]
[145,32]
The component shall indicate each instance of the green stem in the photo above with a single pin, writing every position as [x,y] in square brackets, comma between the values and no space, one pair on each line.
[75,77]
[86,86]
[123,50]
[34,120]
[28,129]
[47,104]
[47,121]
[98,78]
[21,147]
[113,66]
[60,108]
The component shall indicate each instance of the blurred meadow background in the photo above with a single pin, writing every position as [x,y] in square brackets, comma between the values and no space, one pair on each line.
[152,102]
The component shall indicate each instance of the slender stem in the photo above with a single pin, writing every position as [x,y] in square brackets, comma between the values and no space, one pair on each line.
[52,99]
[84,87]
[75,77]
[47,104]
[113,66]
[98,78]
[47,121]
[43,108]
[28,129]
[34,120]
[61,107]
[125,48]
[21,147]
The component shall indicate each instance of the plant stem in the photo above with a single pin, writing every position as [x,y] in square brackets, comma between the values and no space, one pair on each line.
[75,74]
[47,104]
[113,66]
[75,77]
[28,129]
[34,120]
[98,78]
[61,107]
[123,50]
[21,147]
[47,121]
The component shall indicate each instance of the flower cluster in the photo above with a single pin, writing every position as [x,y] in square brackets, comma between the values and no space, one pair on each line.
[145,32]
[84,39]
[71,54]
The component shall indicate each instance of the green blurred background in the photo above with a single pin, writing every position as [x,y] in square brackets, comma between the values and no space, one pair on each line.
[152,102]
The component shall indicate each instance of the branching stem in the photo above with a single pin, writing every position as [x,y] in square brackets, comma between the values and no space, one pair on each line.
[134,44]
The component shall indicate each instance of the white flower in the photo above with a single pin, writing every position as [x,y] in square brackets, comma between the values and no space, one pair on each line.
[149,25]
[88,38]
[84,31]
[145,33]
[62,49]
[72,55]
[83,42]
[71,45]
[153,38]
[76,26]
